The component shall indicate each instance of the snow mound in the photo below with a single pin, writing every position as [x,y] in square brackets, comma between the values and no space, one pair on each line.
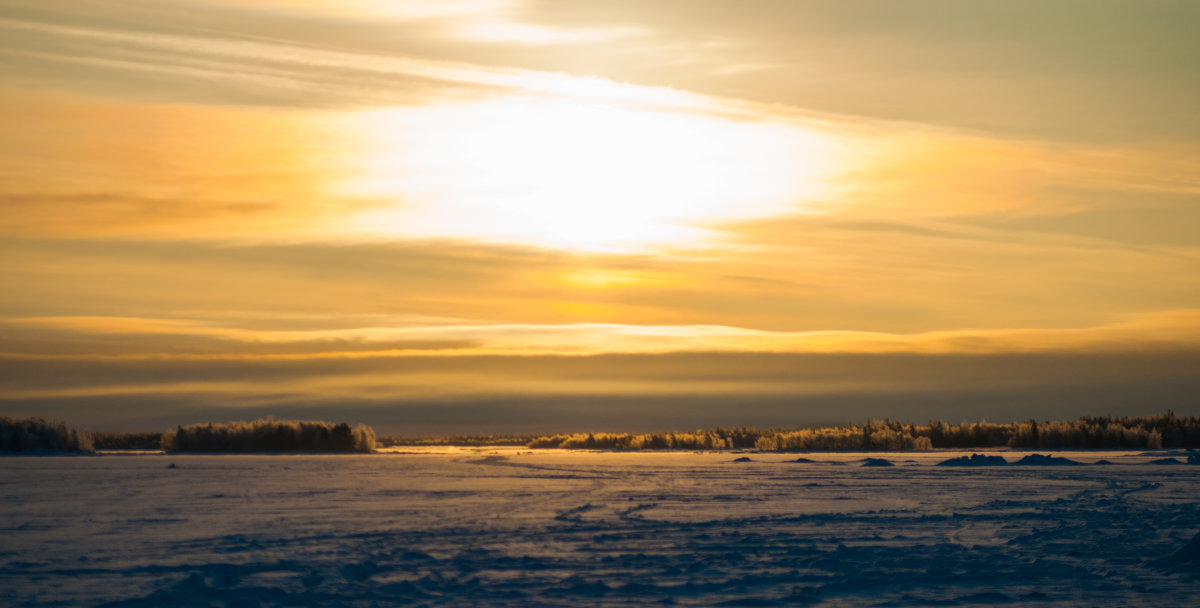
[877,462]
[1042,460]
[1189,552]
[802,460]
[974,460]
[1166,461]
[743,459]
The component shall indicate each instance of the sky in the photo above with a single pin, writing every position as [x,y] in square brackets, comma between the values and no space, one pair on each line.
[472,216]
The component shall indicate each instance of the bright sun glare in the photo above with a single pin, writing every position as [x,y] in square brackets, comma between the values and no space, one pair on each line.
[574,174]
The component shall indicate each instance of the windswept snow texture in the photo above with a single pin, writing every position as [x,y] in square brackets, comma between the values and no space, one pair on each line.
[479,528]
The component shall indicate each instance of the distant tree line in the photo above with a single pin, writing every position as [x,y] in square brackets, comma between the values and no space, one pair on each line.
[477,440]
[1089,432]
[36,434]
[127,441]
[1163,431]
[886,435]
[713,439]
[871,436]
[267,434]
[270,435]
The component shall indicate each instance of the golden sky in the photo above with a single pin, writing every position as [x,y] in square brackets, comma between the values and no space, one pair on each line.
[476,215]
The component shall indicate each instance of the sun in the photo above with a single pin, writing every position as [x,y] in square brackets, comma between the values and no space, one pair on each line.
[576,174]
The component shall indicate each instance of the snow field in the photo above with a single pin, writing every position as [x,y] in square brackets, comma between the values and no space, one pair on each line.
[492,527]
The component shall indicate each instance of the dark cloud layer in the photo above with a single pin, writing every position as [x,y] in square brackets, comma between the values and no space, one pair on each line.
[612,392]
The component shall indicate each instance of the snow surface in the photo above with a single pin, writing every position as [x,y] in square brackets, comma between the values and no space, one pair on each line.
[487,527]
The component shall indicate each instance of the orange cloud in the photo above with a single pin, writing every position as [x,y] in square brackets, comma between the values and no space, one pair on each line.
[1167,331]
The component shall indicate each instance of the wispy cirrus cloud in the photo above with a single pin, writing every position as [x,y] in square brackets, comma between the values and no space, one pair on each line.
[1175,330]
[896,170]
[295,67]
[800,274]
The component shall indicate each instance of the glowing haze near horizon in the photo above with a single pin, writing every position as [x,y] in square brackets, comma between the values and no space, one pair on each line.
[475,215]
